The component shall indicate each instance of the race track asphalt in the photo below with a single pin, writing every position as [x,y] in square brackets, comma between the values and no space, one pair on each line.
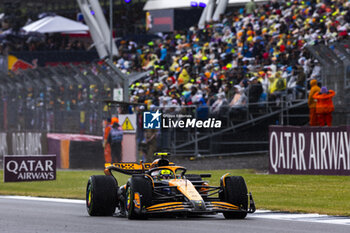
[22,216]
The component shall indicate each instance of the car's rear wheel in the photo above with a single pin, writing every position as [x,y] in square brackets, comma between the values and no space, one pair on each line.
[101,195]
[138,196]
[235,192]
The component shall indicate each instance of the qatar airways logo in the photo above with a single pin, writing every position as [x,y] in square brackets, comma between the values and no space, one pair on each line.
[157,120]
[310,150]
[29,168]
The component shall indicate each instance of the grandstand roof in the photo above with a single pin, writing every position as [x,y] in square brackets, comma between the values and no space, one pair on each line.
[169,4]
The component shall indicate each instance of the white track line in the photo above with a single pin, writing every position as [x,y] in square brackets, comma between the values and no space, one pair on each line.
[266,214]
[60,200]
[317,218]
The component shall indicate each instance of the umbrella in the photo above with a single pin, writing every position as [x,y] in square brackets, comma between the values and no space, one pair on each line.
[52,24]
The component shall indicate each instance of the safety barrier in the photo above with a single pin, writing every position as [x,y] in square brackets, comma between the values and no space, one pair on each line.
[56,99]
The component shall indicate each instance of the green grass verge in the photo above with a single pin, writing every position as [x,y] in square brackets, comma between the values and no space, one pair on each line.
[311,194]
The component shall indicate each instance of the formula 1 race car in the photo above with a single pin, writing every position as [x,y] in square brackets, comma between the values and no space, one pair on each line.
[161,187]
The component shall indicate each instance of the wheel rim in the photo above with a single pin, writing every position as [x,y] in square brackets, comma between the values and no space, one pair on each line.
[128,197]
[89,195]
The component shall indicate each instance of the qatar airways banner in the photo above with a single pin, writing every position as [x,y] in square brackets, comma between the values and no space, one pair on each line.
[309,150]
[29,168]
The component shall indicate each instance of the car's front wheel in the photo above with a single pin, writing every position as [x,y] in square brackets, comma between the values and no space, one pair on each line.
[138,196]
[234,191]
[101,195]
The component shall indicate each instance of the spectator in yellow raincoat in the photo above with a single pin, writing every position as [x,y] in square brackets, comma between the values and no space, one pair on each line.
[184,77]
[277,86]
[312,102]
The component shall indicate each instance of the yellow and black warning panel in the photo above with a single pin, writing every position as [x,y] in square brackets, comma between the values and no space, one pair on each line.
[127,125]
[128,122]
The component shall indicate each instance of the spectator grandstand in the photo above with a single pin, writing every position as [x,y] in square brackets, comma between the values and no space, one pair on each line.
[268,44]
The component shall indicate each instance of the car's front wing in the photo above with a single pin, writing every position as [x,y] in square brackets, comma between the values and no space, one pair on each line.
[188,207]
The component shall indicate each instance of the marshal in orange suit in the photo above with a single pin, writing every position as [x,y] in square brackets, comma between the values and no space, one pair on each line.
[324,106]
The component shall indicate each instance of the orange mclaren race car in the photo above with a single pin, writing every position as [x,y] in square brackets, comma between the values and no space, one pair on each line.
[161,187]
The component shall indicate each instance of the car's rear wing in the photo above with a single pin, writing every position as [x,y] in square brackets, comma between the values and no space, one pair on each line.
[128,168]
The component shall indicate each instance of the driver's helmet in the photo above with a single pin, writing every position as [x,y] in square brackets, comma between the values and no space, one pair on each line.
[166,174]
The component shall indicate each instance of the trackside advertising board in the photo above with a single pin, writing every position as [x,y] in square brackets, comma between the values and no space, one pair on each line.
[309,150]
[29,168]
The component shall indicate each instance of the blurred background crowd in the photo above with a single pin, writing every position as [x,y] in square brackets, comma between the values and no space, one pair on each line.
[254,54]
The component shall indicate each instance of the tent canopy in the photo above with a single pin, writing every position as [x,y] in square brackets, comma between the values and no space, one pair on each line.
[52,24]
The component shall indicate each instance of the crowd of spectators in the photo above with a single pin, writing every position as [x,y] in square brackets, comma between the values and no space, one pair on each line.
[253,54]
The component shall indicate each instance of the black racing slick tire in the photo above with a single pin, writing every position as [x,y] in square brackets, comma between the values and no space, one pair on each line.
[138,196]
[101,195]
[235,192]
